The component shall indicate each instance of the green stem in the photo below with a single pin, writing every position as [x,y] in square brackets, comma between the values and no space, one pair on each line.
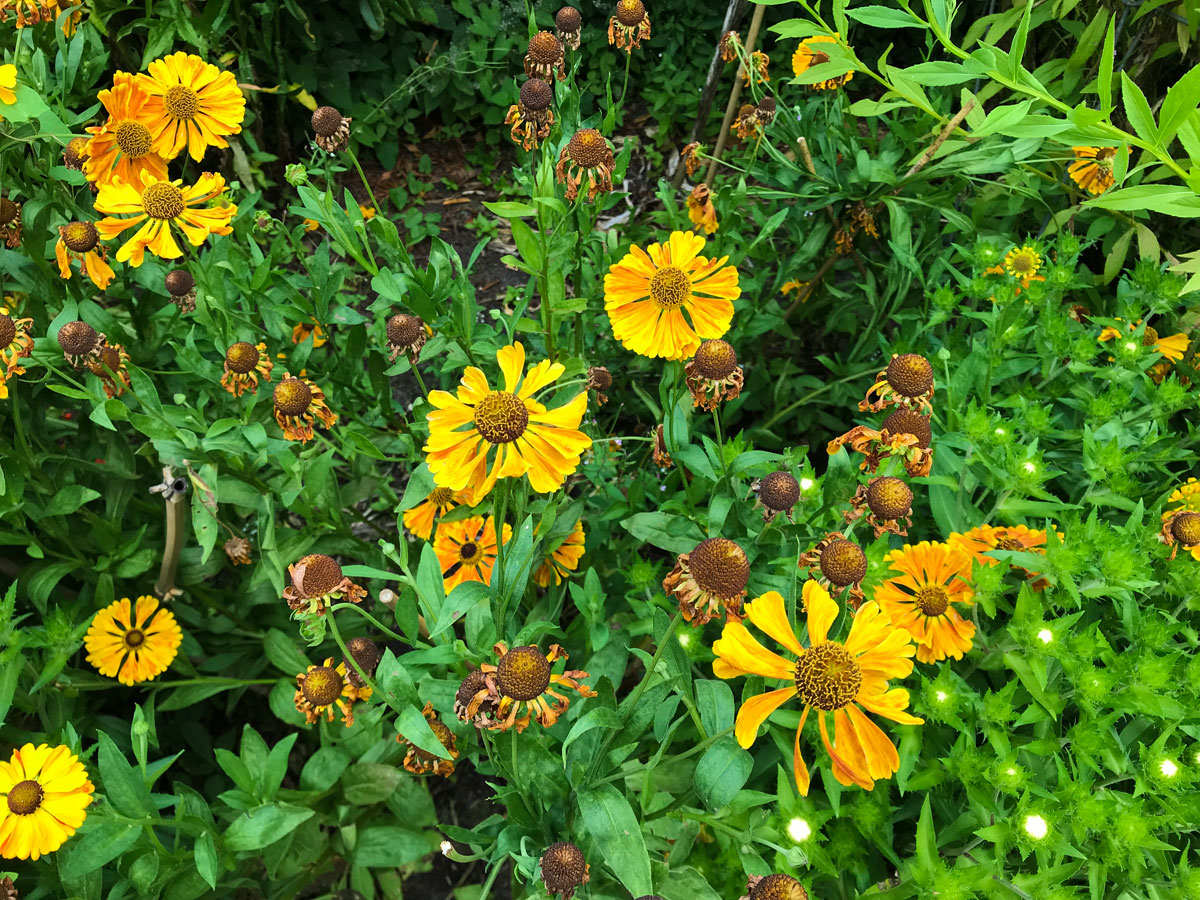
[721,449]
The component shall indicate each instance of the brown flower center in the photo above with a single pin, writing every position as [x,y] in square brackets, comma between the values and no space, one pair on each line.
[778,887]
[109,359]
[76,338]
[1149,337]
[322,685]
[1186,529]
[75,152]
[715,360]
[932,600]
[905,421]
[162,200]
[293,397]
[8,331]
[1009,544]
[8,210]
[819,57]
[843,563]
[179,282]
[889,497]
[81,237]
[587,148]
[670,287]
[326,121]
[563,867]
[545,48]
[321,575]
[403,330]
[134,638]
[25,797]
[443,734]
[501,417]
[241,357]
[720,567]
[469,553]
[827,677]
[631,12]
[910,375]
[779,491]
[568,19]
[441,496]
[536,95]
[182,102]
[133,139]
[523,673]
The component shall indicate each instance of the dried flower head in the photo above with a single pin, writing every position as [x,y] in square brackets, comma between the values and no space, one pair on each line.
[885,501]
[766,110]
[599,379]
[75,153]
[365,652]
[568,24]
[181,286]
[331,129]
[108,364]
[629,26]
[544,57]
[531,116]
[747,124]
[842,564]
[10,222]
[778,493]
[244,363]
[713,374]
[78,340]
[406,334]
[587,153]
[317,582]
[477,700]
[298,402]
[907,381]
[563,869]
[774,887]
[661,457]
[1182,528]
[757,68]
[691,157]
[238,551]
[730,41]
[422,762]
[523,679]
[709,581]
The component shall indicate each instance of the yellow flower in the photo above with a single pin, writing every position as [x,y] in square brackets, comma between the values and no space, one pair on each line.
[1187,496]
[701,210]
[133,641]
[921,599]
[303,331]
[81,241]
[563,560]
[419,519]
[8,83]
[1093,168]
[526,437]
[1173,348]
[522,678]
[467,550]
[298,403]
[160,204]
[191,105]
[978,541]
[1023,263]
[648,292]
[320,688]
[801,287]
[121,148]
[45,791]
[244,362]
[827,676]
[15,344]
[808,55]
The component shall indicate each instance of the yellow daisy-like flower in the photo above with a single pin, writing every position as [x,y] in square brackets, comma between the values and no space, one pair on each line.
[934,577]
[523,679]
[159,204]
[122,149]
[191,105]
[1093,168]
[320,688]
[1023,263]
[81,241]
[563,560]
[44,792]
[305,330]
[133,641]
[701,210]
[809,54]
[648,292]
[15,344]
[419,519]
[526,437]
[244,363]
[467,550]
[298,403]
[8,83]
[842,678]
[1173,347]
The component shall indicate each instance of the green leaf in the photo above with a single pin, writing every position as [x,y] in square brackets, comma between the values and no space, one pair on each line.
[597,717]
[716,703]
[264,826]
[282,651]
[1171,200]
[122,783]
[386,846]
[527,244]
[507,210]
[884,17]
[206,859]
[365,783]
[415,728]
[1104,76]
[1017,50]
[722,772]
[69,498]
[323,769]
[95,846]
[927,852]
[616,836]
[1180,102]
[672,533]
[1138,110]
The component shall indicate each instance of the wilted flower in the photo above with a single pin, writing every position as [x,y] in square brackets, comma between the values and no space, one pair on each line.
[747,124]
[422,762]
[477,699]
[907,381]
[191,105]
[522,679]
[773,887]
[78,340]
[568,24]
[660,455]
[730,41]
[886,501]
[563,560]
[320,688]
[122,149]
[133,641]
[709,581]
[10,222]
[182,288]
[318,582]
[81,241]
[778,493]
[238,551]
[842,564]
[713,374]
[563,869]
[544,57]
[701,210]
[531,116]
[630,26]
[599,379]
[765,111]
[691,157]
[16,343]
[758,65]
[331,129]
[809,54]
[586,153]
[298,402]
[108,364]
[365,652]
[863,219]
[244,362]
[405,334]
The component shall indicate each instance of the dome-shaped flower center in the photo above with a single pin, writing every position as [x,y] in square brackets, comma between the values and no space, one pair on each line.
[76,150]
[563,867]
[162,200]
[1149,337]
[827,677]
[469,553]
[670,287]
[179,282]
[134,638]
[631,12]
[843,563]
[326,121]
[536,95]
[779,491]
[932,600]
[889,497]
[293,397]
[133,139]
[905,421]
[322,685]
[1023,262]
[501,417]
[25,797]
[715,360]
[910,375]
[321,575]
[587,148]
[1009,544]
[8,210]
[108,359]
[545,48]
[778,887]
[403,330]
[241,357]
[523,673]
[8,331]
[81,237]
[1186,529]
[441,496]
[443,734]
[182,102]
[76,338]
[720,567]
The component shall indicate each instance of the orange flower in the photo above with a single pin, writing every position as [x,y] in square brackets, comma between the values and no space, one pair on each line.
[467,550]
[978,541]
[921,599]
[121,148]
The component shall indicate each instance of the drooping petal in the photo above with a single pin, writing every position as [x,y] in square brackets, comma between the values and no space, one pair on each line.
[822,611]
[768,614]
[755,711]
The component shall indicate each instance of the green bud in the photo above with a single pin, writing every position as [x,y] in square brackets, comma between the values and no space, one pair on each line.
[296,174]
